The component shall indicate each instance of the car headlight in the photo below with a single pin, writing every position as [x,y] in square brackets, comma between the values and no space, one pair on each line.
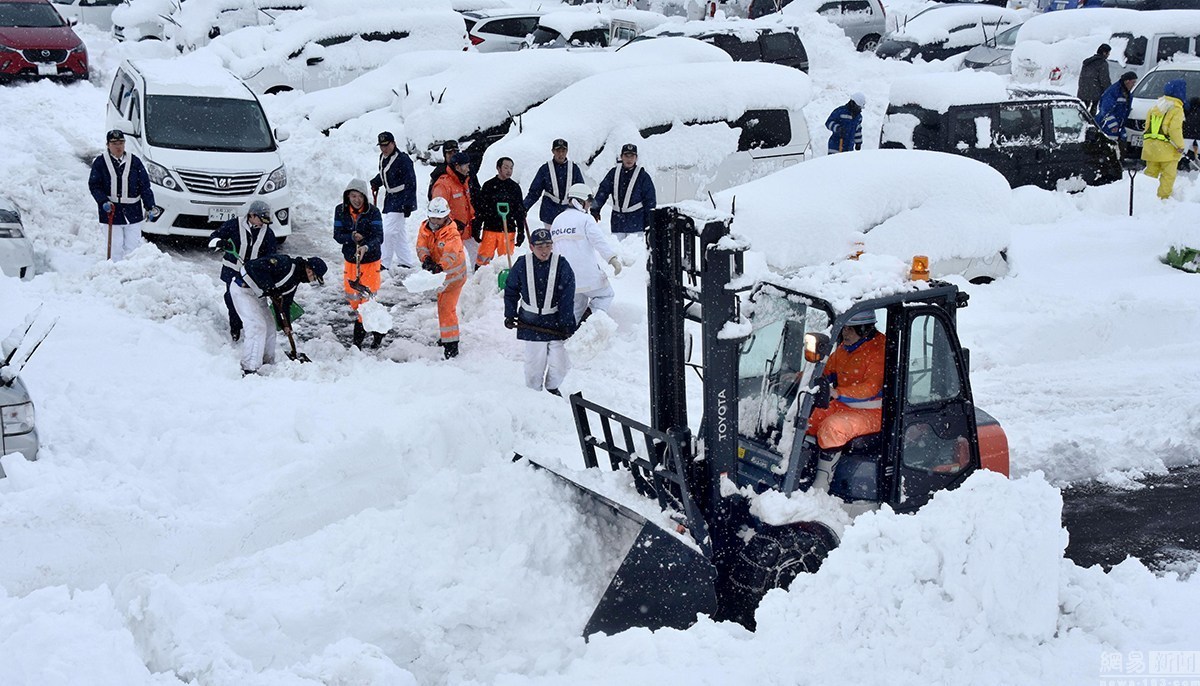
[10,232]
[1000,62]
[17,419]
[160,176]
[276,180]
[79,48]
[5,48]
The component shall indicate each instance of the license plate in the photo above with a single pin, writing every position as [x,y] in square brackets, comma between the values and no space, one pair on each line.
[47,69]
[221,214]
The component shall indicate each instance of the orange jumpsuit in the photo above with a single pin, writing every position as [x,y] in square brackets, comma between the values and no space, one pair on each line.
[858,409]
[444,246]
[457,194]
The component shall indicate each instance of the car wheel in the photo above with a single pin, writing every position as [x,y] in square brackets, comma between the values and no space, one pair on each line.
[868,43]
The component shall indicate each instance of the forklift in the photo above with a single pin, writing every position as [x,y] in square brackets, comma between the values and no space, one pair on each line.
[694,545]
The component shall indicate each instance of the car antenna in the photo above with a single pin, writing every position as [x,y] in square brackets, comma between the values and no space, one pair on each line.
[441,96]
[733,206]
[710,199]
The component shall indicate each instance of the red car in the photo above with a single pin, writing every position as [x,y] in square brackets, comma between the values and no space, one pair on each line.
[35,41]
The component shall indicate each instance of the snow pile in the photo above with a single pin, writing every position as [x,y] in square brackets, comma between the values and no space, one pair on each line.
[815,212]
[375,317]
[938,92]
[938,24]
[421,281]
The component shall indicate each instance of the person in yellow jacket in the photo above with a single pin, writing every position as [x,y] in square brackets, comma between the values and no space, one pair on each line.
[1162,140]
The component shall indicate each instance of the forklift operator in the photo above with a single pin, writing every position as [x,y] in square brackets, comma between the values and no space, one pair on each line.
[855,371]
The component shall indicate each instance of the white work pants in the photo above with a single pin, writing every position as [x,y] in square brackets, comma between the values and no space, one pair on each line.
[125,239]
[545,360]
[258,328]
[598,299]
[398,250]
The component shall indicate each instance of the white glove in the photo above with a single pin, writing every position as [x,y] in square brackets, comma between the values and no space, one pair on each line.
[616,265]
[214,243]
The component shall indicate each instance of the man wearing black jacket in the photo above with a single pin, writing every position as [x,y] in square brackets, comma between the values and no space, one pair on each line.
[1094,78]
[272,279]
[489,228]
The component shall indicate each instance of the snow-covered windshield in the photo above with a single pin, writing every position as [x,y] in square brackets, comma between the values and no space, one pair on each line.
[203,123]
[1007,39]
[772,368]
[29,15]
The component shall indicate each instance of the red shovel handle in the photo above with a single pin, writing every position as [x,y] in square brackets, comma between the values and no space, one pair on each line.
[112,212]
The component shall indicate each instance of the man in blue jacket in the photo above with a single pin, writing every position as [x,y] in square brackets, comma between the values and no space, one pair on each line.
[551,182]
[359,228]
[270,281]
[538,301]
[632,191]
[1114,108]
[846,124]
[242,241]
[121,188]
[399,184]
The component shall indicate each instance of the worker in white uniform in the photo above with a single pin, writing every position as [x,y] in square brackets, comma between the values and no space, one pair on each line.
[579,239]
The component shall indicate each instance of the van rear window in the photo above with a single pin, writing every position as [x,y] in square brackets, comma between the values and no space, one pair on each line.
[764,129]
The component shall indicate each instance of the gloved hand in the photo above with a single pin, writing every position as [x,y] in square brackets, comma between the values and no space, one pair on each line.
[215,244]
[154,213]
[477,234]
[510,323]
[357,237]
[428,265]
[407,213]
[616,265]
[106,207]
[858,146]
[437,269]
[596,213]
[375,185]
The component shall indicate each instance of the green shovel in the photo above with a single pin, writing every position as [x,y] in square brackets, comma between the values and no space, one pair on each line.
[502,209]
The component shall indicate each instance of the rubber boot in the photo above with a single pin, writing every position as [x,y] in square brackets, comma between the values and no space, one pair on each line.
[377,338]
[359,335]
[450,349]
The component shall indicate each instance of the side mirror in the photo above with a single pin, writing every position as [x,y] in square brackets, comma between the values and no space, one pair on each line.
[282,134]
[72,21]
[816,347]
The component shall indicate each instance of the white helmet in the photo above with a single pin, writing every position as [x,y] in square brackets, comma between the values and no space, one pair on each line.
[859,99]
[579,191]
[438,207]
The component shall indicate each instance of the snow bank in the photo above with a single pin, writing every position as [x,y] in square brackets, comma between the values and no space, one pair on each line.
[815,212]
[935,24]
[939,91]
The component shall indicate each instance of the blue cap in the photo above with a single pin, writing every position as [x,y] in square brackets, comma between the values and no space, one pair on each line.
[540,237]
[460,158]
[1176,88]
[319,268]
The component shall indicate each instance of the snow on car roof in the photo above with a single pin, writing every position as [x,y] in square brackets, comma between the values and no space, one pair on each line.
[195,18]
[568,22]
[193,74]
[482,90]
[895,202]
[940,91]
[934,24]
[589,120]
[744,29]
[1056,26]
[141,11]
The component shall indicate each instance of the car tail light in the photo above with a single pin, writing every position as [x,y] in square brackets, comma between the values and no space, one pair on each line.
[476,40]
[17,419]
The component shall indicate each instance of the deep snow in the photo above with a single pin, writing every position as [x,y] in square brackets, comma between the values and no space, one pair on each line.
[357,520]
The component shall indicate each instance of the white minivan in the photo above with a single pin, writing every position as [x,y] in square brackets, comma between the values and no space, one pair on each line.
[205,140]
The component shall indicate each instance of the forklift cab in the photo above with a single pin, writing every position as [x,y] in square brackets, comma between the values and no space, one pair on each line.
[928,439]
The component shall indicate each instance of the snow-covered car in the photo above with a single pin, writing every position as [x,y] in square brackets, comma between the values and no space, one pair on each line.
[1150,88]
[16,252]
[139,20]
[995,55]
[499,30]
[18,425]
[94,12]
[863,21]
[831,208]
[1041,138]
[196,22]
[205,140]
[690,141]
[588,28]
[309,49]
[746,40]
[482,98]
[944,31]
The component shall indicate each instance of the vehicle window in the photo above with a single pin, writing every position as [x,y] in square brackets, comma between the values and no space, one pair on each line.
[623,34]
[9,217]
[204,123]
[1070,124]
[380,36]
[528,25]
[121,86]
[544,36]
[1135,50]
[1168,46]
[31,15]
[654,130]
[740,51]
[779,46]
[512,27]
[857,7]
[963,129]
[1008,37]
[135,114]
[1019,126]
[590,37]
[1152,85]
[830,9]
[333,40]
[932,370]
[1196,42]
[764,129]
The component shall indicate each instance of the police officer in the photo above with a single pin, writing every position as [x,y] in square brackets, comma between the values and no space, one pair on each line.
[121,188]
[399,184]
[551,182]
[243,240]
[538,301]
[266,281]
[633,195]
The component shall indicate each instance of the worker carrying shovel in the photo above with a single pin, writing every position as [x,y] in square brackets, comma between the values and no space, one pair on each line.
[500,216]
[538,301]
[358,226]
[262,283]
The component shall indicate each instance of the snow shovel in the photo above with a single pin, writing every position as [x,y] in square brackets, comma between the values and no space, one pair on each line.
[292,354]
[362,290]
[502,209]
[541,329]
[111,213]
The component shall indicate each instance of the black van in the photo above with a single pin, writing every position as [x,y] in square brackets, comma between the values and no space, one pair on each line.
[777,44]
[1041,138]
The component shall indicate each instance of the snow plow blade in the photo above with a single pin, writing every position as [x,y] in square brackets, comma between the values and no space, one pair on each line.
[661,581]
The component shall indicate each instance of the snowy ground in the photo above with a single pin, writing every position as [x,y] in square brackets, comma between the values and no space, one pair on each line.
[357,520]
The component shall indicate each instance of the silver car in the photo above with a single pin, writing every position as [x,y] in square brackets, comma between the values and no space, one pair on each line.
[499,30]
[18,430]
[863,21]
[16,252]
[994,55]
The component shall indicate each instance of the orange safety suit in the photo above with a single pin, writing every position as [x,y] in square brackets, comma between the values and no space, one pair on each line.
[457,193]
[858,409]
[366,273]
[445,247]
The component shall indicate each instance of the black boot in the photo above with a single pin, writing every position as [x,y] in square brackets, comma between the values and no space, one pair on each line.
[359,335]
[450,349]
[377,338]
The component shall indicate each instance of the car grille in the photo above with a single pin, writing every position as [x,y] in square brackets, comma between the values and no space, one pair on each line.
[216,183]
[51,56]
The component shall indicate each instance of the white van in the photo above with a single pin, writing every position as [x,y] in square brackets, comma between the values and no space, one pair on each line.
[205,140]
